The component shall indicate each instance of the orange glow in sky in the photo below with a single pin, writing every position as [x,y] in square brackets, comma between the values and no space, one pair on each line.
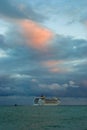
[51,63]
[36,36]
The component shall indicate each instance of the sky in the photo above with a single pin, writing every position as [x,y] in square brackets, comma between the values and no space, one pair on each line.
[43,48]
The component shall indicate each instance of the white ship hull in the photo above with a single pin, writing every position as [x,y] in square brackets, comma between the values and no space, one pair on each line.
[45,104]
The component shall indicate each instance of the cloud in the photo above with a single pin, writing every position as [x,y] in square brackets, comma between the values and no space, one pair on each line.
[5,88]
[61,62]
[63,47]
[30,86]
[84,82]
[57,86]
[60,89]
[36,36]
[20,76]
[75,11]
[1,39]
[52,65]
[35,80]
[4,54]
[34,60]
[53,86]
[2,42]
[73,84]
[8,9]
[65,85]
[85,24]
[55,66]
[14,10]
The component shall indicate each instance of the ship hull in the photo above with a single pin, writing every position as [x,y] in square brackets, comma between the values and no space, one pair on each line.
[46,104]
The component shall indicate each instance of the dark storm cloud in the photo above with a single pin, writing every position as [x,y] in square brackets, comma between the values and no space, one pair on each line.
[12,9]
[80,73]
[6,87]
[18,84]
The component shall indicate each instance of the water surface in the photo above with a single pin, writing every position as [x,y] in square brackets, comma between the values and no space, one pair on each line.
[43,118]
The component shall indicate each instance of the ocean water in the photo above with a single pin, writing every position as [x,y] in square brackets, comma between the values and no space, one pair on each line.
[43,118]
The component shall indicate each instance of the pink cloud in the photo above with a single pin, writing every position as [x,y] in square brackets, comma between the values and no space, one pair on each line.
[56,70]
[51,63]
[55,66]
[36,36]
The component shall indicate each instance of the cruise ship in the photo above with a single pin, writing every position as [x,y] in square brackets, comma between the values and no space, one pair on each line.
[42,100]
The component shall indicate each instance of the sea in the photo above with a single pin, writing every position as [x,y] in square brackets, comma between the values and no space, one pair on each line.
[43,117]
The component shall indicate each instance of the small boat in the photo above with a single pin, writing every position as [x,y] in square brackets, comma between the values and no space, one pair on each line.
[42,100]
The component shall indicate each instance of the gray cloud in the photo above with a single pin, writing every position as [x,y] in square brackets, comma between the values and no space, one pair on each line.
[76,11]
[8,9]
[69,48]
[24,85]
[12,9]
[24,66]
[1,39]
